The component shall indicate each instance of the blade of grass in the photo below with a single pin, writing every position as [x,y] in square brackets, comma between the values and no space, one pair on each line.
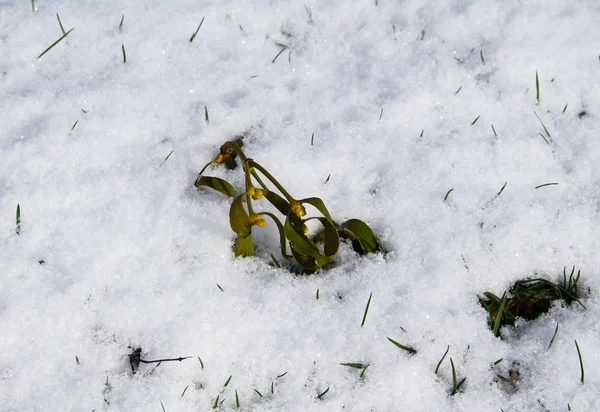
[362,374]
[565,108]
[227,382]
[441,360]
[124,55]
[554,336]
[258,393]
[237,400]
[121,23]
[481,55]
[317,294]
[448,194]
[475,121]
[354,365]
[206,119]
[216,403]
[60,24]
[18,229]
[454,380]
[55,43]
[201,363]
[167,158]
[410,350]
[183,393]
[320,397]
[381,114]
[494,130]
[502,190]
[278,54]
[459,89]
[312,139]
[580,362]
[543,125]
[537,88]
[366,311]
[162,406]
[197,30]
[546,184]
[499,314]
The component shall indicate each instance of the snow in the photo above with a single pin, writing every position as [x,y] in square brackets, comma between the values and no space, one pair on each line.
[134,256]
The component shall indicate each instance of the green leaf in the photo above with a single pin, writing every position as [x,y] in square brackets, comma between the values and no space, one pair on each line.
[410,350]
[220,185]
[239,218]
[330,235]
[244,246]
[303,249]
[318,203]
[294,231]
[279,202]
[282,240]
[307,262]
[366,240]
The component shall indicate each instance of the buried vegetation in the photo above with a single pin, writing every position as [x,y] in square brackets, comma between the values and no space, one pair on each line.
[312,251]
[529,298]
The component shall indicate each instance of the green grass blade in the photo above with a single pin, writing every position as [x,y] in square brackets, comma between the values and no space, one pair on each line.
[124,55]
[60,24]
[237,400]
[580,362]
[454,380]
[410,350]
[441,360]
[499,315]
[546,184]
[364,319]
[197,30]
[206,119]
[554,336]
[354,365]
[18,229]
[320,397]
[55,43]
[121,23]
[448,194]
[537,88]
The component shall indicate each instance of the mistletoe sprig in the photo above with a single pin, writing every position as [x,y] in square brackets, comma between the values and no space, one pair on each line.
[312,252]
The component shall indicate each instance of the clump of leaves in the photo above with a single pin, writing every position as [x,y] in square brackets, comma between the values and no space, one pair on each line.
[529,298]
[310,251]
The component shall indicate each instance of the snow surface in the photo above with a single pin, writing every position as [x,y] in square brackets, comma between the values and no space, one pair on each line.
[133,253]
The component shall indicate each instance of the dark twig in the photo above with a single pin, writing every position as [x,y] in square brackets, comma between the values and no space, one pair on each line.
[135,358]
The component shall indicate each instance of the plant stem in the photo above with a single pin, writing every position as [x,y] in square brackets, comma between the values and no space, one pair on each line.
[268,175]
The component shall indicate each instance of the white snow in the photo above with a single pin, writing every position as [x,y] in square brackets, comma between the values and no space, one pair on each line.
[134,256]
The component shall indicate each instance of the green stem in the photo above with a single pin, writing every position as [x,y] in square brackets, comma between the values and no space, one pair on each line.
[259,180]
[268,175]
[204,168]
[248,197]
